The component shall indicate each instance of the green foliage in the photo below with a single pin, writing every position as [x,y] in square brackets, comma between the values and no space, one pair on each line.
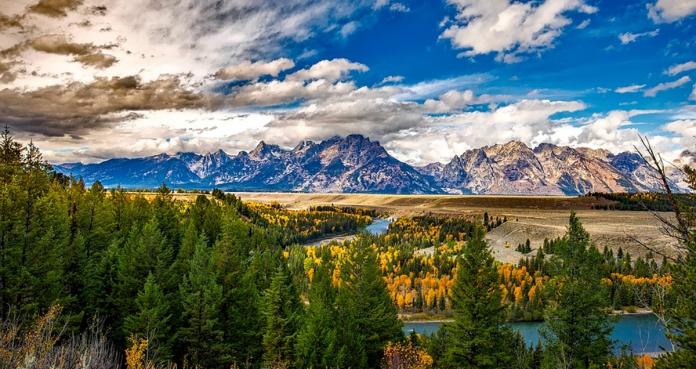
[578,326]
[216,282]
[641,201]
[194,278]
[525,247]
[282,311]
[152,321]
[317,338]
[201,298]
[478,337]
[682,316]
[366,315]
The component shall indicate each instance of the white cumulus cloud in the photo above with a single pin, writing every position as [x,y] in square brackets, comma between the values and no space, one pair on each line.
[509,29]
[667,11]
[331,70]
[683,127]
[250,71]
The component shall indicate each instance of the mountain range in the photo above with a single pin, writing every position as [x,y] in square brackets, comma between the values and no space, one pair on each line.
[357,164]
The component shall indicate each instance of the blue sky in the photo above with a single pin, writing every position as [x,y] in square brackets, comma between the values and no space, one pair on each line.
[588,63]
[428,79]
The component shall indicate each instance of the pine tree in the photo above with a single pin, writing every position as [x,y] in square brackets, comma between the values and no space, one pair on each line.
[165,212]
[478,337]
[683,314]
[281,309]
[682,317]
[104,286]
[151,321]
[143,253]
[366,314]
[182,259]
[242,321]
[578,327]
[10,156]
[201,296]
[95,220]
[317,338]
[31,230]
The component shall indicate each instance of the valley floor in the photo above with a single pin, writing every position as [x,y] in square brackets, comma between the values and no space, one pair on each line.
[533,217]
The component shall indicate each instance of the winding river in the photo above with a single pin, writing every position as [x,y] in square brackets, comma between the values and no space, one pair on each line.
[641,333]
[378,226]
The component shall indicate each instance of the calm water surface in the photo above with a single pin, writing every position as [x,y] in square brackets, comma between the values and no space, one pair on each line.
[378,226]
[640,333]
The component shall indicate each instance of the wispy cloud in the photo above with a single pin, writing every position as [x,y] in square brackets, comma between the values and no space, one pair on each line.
[629,89]
[349,28]
[681,68]
[584,24]
[652,92]
[399,8]
[123,37]
[433,88]
[391,79]
[628,37]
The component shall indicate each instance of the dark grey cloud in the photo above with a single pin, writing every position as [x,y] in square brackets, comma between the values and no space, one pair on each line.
[98,10]
[10,22]
[55,8]
[77,108]
[84,53]
[6,73]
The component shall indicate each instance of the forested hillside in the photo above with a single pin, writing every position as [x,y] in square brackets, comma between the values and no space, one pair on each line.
[204,282]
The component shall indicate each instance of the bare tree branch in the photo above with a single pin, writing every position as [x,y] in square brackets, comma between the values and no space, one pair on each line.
[650,248]
[654,161]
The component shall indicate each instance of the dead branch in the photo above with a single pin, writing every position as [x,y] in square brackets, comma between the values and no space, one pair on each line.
[655,162]
[650,248]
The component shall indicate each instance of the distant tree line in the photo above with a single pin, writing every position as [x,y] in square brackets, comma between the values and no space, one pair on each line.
[641,201]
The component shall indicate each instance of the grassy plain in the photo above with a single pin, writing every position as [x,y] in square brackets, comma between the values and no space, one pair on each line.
[533,217]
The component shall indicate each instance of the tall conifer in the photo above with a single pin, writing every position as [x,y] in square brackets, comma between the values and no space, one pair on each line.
[478,337]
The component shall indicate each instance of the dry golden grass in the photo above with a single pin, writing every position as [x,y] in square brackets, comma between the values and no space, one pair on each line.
[533,217]
[608,228]
[413,204]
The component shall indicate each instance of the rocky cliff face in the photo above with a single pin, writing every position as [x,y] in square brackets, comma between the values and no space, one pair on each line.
[514,168]
[357,164]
